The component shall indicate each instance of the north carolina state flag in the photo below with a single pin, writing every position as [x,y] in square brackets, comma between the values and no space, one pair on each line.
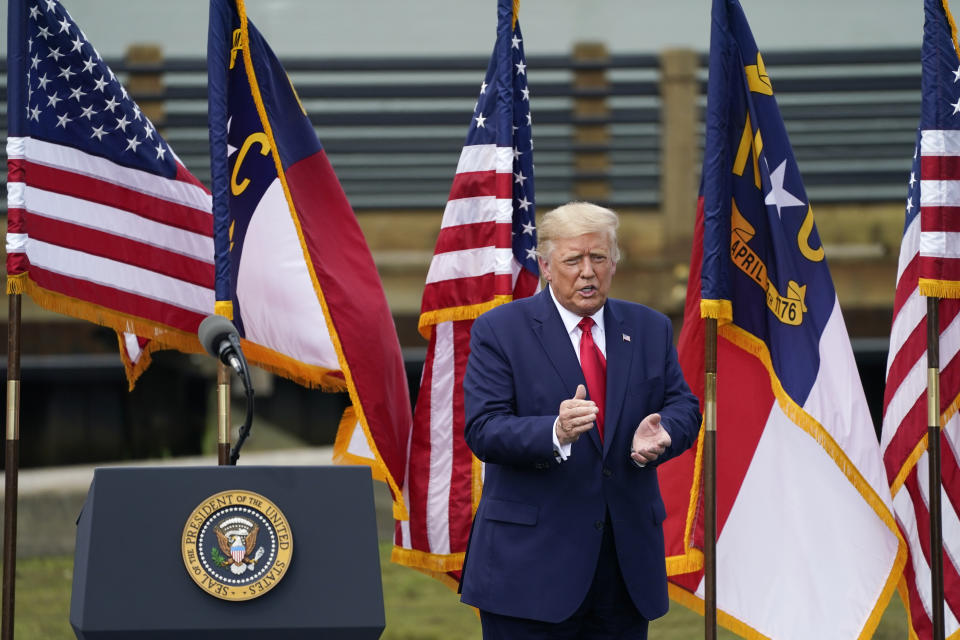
[292,267]
[807,545]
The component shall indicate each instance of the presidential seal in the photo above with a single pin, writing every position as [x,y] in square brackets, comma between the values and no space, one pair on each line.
[237,545]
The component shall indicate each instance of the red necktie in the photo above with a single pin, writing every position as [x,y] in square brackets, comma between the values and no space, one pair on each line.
[594,367]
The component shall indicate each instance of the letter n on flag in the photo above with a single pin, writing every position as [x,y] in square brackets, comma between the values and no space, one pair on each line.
[807,545]
[104,222]
[484,256]
[929,266]
[293,270]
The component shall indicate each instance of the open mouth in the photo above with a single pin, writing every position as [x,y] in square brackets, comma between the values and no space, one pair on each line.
[588,291]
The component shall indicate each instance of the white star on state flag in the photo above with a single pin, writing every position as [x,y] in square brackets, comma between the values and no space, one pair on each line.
[778,196]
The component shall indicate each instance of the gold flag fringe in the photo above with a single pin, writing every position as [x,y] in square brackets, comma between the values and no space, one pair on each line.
[466,312]
[939,288]
[721,310]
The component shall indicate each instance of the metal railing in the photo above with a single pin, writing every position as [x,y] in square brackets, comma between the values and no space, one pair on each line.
[393,127]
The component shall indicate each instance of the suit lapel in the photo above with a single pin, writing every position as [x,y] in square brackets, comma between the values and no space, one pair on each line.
[619,358]
[555,342]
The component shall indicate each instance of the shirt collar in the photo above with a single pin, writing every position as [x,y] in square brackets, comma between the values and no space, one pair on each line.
[570,319]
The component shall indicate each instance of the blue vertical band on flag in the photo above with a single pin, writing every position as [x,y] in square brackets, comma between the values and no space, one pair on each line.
[724,73]
[222,21]
[16,59]
[761,247]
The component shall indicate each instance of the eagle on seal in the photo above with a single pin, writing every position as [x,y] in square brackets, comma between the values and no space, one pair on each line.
[238,548]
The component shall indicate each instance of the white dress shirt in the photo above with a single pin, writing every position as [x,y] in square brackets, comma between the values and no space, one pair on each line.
[570,322]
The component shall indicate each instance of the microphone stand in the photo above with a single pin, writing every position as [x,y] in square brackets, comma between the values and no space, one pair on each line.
[244,371]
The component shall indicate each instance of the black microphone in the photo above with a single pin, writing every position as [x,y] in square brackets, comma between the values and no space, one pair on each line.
[221,340]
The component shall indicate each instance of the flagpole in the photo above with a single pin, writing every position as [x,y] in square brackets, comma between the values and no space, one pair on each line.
[710,481]
[223,414]
[11,469]
[933,451]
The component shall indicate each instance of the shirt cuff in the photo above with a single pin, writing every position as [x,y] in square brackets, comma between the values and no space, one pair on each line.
[560,451]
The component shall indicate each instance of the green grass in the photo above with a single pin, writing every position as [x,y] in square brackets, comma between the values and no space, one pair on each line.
[417,607]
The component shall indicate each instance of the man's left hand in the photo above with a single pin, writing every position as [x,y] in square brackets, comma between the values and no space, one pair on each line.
[650,440]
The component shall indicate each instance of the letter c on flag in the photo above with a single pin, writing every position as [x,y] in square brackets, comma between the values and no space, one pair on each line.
[253,138]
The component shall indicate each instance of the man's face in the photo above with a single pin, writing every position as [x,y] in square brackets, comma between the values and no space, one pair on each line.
[580,271]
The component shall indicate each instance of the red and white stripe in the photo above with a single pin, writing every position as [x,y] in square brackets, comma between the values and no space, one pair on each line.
[473,263]
[473,258]
[940,205]
[100,233]
[926,244]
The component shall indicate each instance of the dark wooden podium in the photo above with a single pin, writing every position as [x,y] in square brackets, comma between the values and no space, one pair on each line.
[130,578]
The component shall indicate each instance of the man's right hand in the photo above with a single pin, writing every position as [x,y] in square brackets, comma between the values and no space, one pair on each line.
[577,416]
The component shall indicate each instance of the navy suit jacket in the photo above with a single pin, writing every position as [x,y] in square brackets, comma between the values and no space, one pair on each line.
[536,535]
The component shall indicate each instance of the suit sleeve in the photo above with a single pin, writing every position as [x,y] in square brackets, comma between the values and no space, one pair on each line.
[493,430]
[680,414]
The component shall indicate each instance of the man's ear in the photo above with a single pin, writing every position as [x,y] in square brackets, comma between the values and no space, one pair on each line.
[544,268]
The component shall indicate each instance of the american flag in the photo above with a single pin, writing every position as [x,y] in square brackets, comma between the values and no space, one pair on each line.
[484,256]
[929,265]
[105,223]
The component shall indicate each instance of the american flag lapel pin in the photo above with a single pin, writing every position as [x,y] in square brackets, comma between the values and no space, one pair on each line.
[626,338]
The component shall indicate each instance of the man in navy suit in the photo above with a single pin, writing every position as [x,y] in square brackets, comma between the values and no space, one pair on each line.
[571,400]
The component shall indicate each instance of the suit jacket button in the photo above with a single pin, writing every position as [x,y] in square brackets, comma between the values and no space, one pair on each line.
[599,525]
[607,472]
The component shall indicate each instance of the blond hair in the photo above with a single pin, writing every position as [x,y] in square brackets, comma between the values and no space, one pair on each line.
[575,219]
